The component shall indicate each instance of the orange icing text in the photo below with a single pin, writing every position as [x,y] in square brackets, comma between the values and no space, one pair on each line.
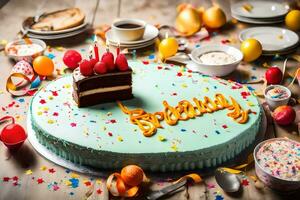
[149,122]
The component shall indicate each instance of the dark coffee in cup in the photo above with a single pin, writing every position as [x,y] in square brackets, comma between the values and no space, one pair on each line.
[129,26]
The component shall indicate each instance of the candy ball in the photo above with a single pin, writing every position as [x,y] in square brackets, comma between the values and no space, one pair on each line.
[132,175]
[121,62]
[43,66]
[72,58]
[188,21]
[292,20]
[100,68]
[168,47]
[252,49]
[13,136]
[273,75]
[214,17]
[284,115]
[86,68]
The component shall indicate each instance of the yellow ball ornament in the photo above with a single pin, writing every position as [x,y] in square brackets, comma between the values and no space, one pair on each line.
[43,66]
[292,20]
[252,49]
[188,21]
[214,17]
[168,47]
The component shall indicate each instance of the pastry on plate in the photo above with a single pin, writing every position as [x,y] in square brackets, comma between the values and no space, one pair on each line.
[60,20]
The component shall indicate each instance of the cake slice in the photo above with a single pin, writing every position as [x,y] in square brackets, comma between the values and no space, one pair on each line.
[101,88]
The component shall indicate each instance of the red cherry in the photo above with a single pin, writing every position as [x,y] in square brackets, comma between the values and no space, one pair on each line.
[13,136]
[273,75]
[93,61]
[86,68]
[108,59]
[121,62]
[72,58]
[100,68]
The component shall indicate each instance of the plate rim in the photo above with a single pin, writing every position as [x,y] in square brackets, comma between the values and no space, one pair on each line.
[30,30]
[239,4]
[57,36]
[256,21]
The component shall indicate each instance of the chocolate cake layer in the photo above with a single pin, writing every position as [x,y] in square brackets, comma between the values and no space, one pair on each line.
[101,81]
[103,97]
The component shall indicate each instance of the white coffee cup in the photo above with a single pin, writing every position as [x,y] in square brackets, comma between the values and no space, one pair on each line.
[128,29]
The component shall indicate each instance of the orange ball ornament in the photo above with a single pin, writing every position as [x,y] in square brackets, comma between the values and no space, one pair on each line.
[188,20]
[214,17]
[132,175]
[43,66]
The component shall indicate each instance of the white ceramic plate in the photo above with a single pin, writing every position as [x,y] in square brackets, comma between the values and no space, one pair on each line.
[58,36]
[271,38]
[151,32]
[55,32]
[258,21]
[261,9]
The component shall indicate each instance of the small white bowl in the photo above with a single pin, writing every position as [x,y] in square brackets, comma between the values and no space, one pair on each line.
[274,103]
[270,180]
[214,69]
[128,34]
[29,58]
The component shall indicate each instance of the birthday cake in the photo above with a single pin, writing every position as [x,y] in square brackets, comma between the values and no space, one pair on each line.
[177,120]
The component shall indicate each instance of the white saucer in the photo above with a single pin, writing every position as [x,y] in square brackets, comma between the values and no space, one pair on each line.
[151,32]
[272,38]
[261,9]
[258,21]
[138,46]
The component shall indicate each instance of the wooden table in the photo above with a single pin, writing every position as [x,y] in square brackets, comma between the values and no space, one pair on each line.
[26,175]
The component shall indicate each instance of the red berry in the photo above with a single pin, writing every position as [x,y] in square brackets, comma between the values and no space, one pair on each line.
[72,58]
[284,115]
[273,75]
[86,68]
[108,59]
[100,68]
[93,61]
[121,62]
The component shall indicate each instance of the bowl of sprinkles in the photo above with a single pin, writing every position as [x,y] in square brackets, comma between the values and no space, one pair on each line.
[277,163]
[25,49]
[277,95]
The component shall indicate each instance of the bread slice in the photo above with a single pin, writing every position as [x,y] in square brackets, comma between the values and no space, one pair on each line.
[60,20]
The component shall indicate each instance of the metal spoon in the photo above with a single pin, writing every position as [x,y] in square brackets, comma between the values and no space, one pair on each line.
[227,181]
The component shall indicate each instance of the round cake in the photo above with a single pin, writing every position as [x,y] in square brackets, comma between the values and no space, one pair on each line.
[172,135]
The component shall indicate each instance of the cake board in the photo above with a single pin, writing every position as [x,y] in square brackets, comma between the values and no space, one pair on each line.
[42,150]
